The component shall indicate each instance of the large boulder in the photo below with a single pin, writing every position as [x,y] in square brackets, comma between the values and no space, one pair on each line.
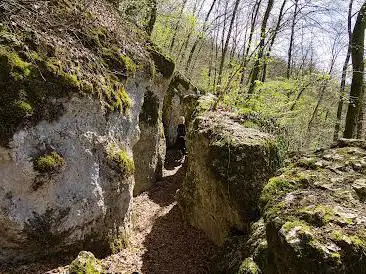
[315,212]
[228,165]
[70,107]
[85,263]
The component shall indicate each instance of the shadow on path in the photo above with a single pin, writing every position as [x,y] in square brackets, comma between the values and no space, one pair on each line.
[173,246]
[163,193]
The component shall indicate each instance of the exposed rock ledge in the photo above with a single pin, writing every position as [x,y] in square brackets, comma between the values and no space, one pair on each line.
[228,166]
[72,107]
[314,218]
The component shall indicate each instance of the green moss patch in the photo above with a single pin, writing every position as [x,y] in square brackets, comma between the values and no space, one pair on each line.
[249,267]
[163,64]
[85,263]
[30,80]
[119,160]
[26,89]
[120,64]
[48,163]
[313,211]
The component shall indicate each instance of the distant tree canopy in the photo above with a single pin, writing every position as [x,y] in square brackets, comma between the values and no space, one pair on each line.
[240,49]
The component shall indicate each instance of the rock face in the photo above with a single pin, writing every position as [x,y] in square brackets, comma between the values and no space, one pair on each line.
[72,104]
[228,166]
[313,218]
[315,212]
[149,152]
[179,96]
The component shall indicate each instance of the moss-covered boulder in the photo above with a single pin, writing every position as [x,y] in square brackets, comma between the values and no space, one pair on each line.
[244,253]
[228,165]
[315,212]
[73,86]
[85,263]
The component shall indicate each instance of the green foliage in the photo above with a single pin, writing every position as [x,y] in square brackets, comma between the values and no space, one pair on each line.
[290,104]
[120,160]
[48,163]
[85,263]
[119,62]
[249,267]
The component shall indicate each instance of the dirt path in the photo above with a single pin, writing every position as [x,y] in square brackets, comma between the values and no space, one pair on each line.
[161,242]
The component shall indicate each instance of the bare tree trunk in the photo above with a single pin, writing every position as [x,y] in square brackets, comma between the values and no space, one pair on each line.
[151,22]
[172,43]
[360,123]
[210,68]
[299,95]
[183,49]
[200,36]
[320,100]
[357,90]
[225,49]
[257,65]
[289,60]
[274,36]
[344,76]
[250,40]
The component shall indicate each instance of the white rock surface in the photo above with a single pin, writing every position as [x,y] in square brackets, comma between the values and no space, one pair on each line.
[84,206]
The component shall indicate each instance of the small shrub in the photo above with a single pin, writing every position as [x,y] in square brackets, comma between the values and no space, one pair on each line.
[121,161]
[49,163]
[85,263]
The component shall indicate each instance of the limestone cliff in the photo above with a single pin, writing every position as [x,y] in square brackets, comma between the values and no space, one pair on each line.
[315,212]
[313,218]
[75,80]
[228,166]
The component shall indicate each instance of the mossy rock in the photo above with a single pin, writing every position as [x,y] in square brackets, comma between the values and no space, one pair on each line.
[123,65]
[119,160]
[47,163]
[249,267]
[163,64]
[85,263]
[32,77]
[313,212]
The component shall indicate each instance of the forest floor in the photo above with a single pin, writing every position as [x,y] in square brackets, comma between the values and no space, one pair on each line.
[162,242]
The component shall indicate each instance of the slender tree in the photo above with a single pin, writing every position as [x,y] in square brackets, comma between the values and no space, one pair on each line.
[224,52]
[344,75]
[357,90]
[175,33]
[253,21]
[152,18]
[201,35]
[259,59]
[273,39]
[292,37]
